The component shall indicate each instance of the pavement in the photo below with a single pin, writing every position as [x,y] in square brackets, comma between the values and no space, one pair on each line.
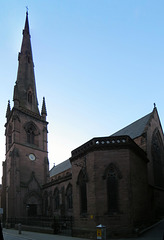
[154,232]
[9,234]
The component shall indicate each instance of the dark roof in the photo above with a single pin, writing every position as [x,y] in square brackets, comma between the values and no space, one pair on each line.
[60,168]
[136,128]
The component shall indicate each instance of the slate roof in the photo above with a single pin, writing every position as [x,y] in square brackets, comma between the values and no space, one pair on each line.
[60,168]
[133,130]
[136,128]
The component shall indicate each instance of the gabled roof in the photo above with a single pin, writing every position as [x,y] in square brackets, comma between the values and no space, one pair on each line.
[60,168]
[136,128]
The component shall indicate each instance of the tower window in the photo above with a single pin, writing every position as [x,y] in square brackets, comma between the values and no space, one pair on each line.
[29,97]
[32,133]
[9,139]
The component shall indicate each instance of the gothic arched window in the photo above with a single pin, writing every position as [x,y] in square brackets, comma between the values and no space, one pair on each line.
[83,191]
[69,196]
[112,190]
[157,156]
[112,176]
[30,134]
[56,199]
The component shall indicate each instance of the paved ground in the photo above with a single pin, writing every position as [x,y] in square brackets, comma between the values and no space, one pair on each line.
[10,234]
[155,233]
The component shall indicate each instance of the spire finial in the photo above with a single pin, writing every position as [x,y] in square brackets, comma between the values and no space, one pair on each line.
[26,10]
[154,105]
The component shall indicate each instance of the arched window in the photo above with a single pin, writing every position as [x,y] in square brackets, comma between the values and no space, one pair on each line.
[83,191]
[157,156]
[56,199]
[69,196]
[30,134]
[112,176]
[112,190]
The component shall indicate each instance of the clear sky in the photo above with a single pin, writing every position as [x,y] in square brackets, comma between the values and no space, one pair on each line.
[99,64]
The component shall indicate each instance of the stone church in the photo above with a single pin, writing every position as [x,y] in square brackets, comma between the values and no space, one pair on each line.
[117,180]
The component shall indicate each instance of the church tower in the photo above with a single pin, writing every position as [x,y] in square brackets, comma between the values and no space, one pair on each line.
[26,167]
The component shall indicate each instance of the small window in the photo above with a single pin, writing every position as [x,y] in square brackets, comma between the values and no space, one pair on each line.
[29,96]
[30,135]
[9,139]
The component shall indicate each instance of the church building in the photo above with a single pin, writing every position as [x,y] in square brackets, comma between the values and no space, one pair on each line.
[116,180]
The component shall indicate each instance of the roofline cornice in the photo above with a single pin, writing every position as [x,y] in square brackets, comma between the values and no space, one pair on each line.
[107,143]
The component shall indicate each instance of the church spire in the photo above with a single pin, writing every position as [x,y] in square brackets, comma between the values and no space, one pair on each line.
[25,96]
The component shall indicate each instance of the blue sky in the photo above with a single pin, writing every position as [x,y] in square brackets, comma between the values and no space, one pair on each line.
[99,64]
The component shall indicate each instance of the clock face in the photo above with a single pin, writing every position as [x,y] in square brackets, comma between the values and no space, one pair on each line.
[32,157]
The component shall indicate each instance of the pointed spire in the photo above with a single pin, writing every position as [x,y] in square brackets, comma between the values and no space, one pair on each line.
[8,111]
[25,95]
[44,111]
[26,28]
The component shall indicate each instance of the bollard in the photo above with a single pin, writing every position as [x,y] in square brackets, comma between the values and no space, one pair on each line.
[101,232]
[19,228]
